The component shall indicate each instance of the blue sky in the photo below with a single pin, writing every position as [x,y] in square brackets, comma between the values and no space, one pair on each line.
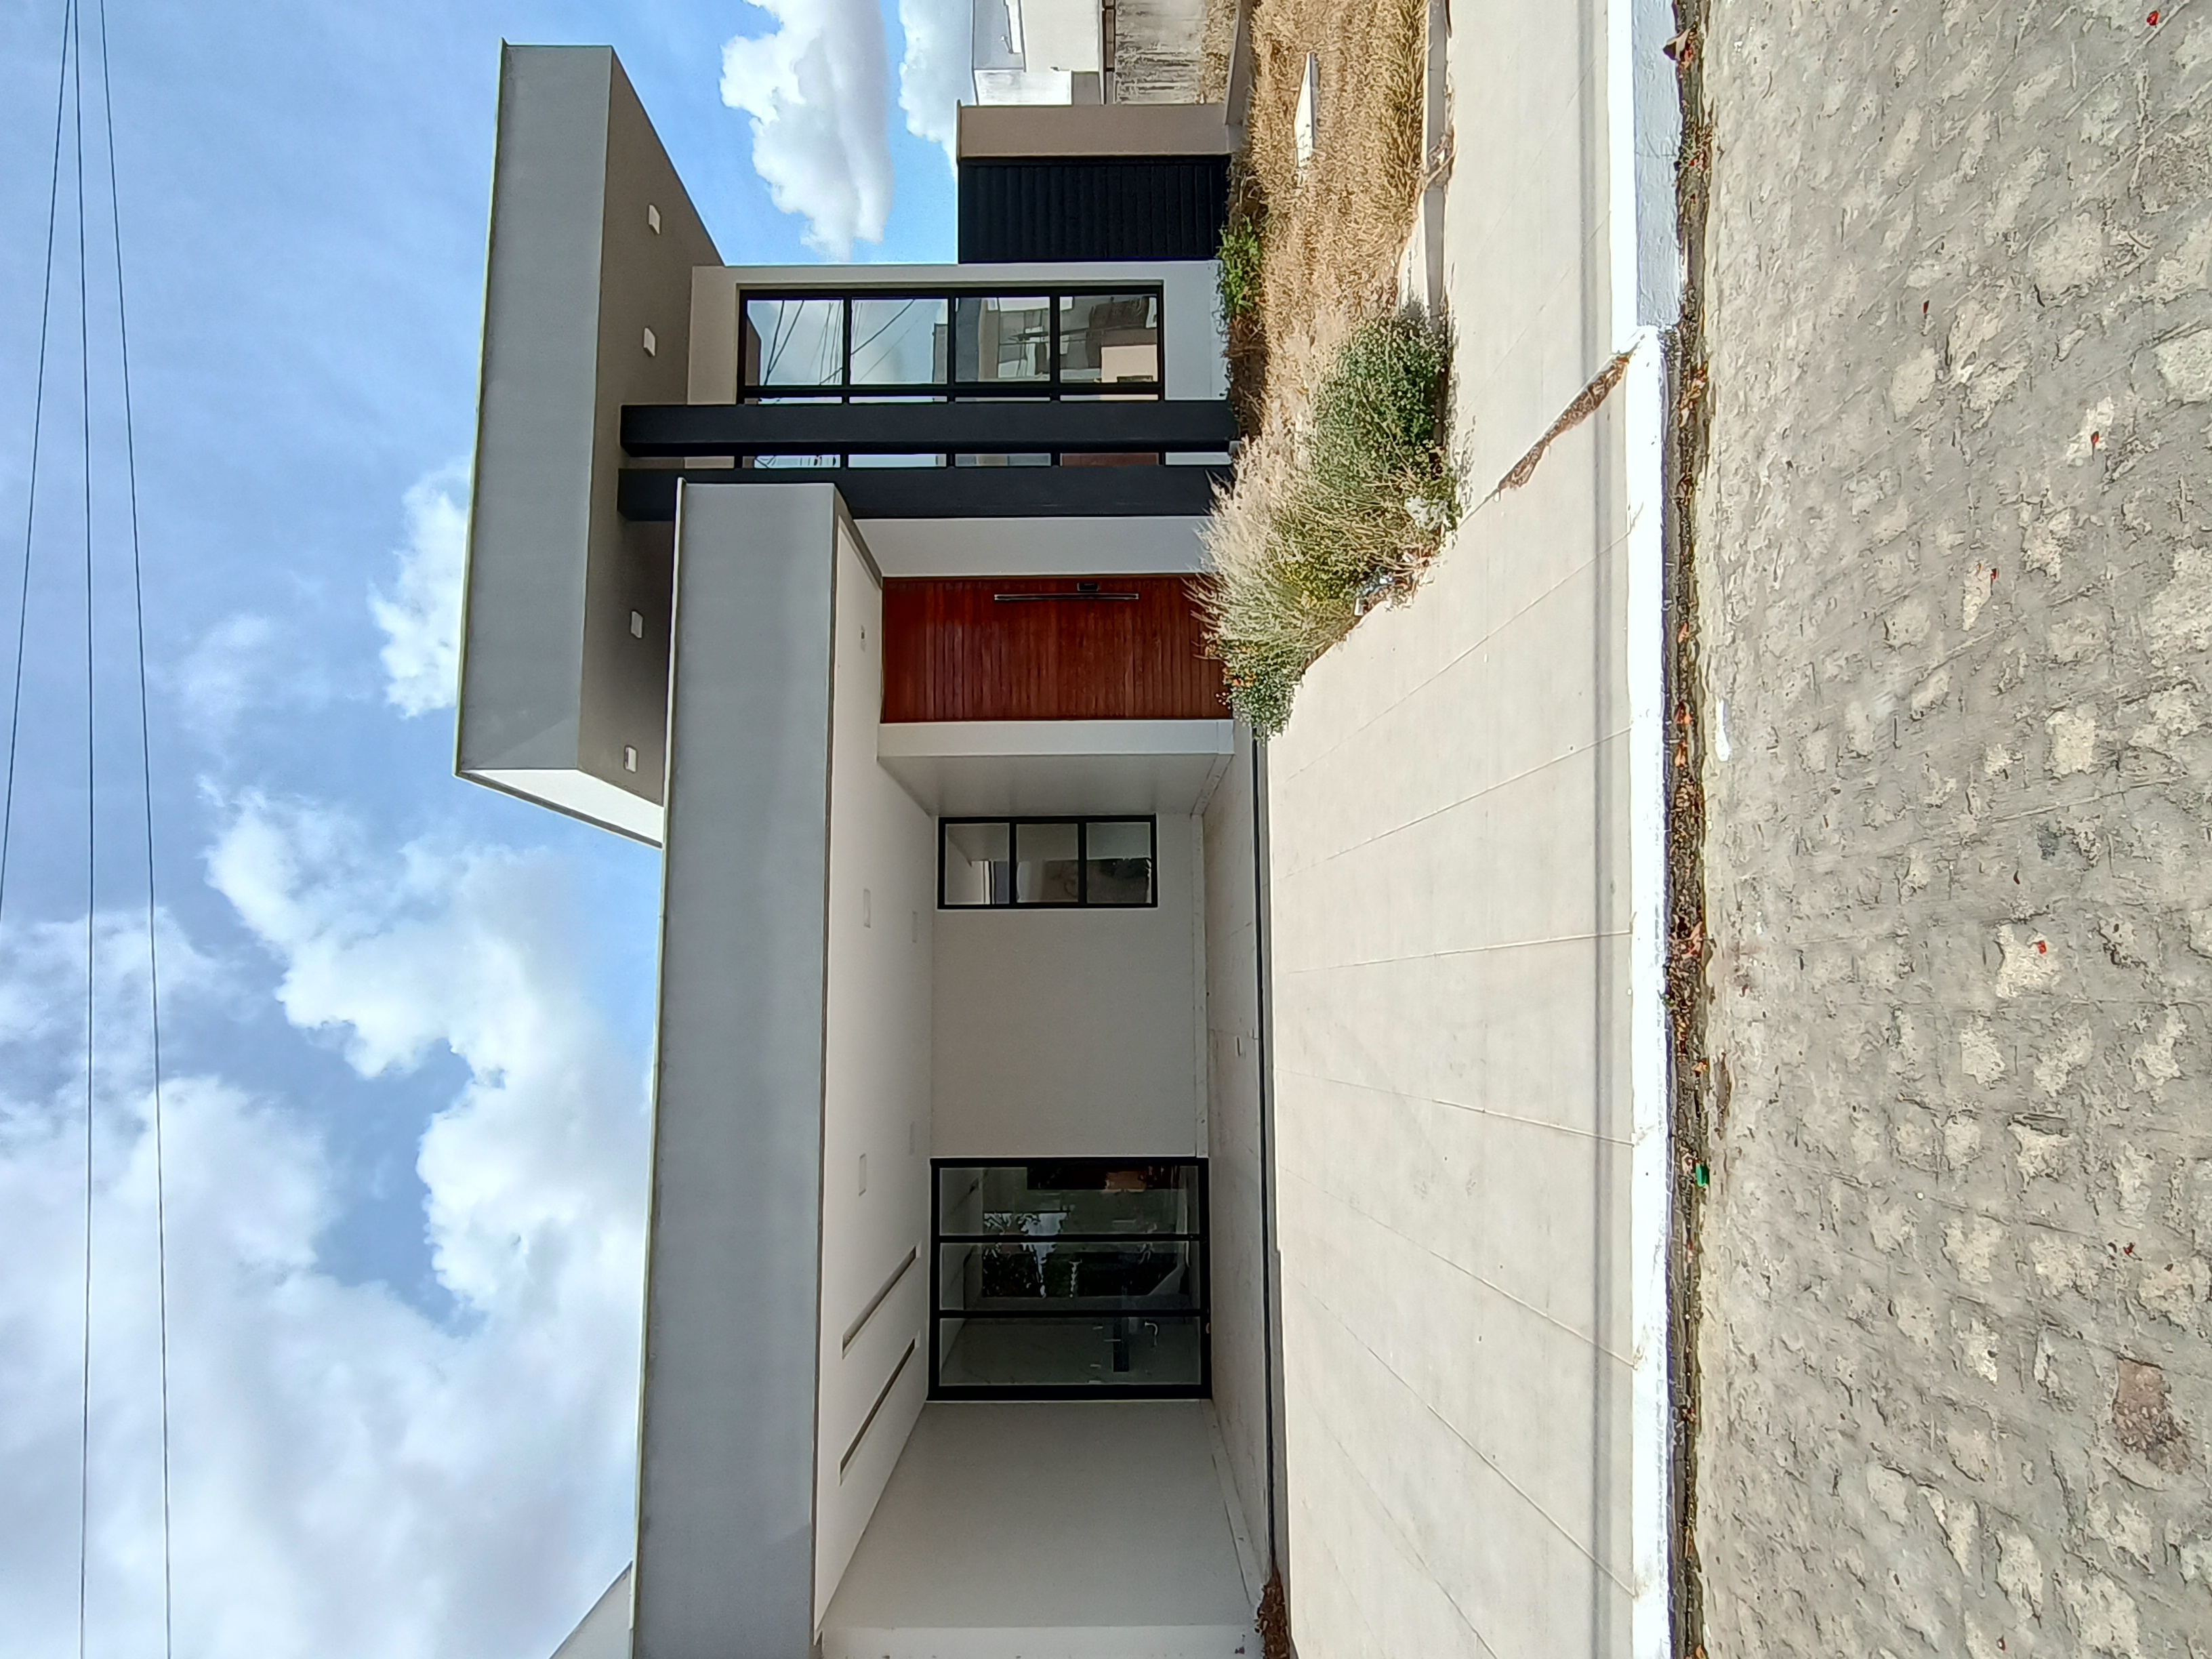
[407,1021]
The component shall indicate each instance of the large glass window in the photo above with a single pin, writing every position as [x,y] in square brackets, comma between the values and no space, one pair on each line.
[950,344]
[871,347]
[1077,1276]
[1047,863]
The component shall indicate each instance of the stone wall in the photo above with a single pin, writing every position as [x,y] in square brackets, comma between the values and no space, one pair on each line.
[1955,566]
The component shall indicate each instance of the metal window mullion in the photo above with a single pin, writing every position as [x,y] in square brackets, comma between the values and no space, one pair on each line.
[1052,327]
[845,358]
[952,347]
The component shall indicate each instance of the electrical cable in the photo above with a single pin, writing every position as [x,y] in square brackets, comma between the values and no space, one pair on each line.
[68,102]
[38,426]
[91,834]
[146,785]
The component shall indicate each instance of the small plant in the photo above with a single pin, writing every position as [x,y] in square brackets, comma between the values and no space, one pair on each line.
[1239,277]
[1329,517]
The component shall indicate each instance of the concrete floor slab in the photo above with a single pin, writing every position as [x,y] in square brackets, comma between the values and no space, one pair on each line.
[1050,1530]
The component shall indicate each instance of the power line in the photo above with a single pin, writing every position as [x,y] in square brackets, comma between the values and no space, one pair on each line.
[91,831]
[146,785]
[68,102]
[38,426]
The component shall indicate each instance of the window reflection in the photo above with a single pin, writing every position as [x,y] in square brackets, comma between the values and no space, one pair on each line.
[794,342]
[1108,337]
[1004,339]
[1048,864]
[899,341]
[978,867]
[1117,861]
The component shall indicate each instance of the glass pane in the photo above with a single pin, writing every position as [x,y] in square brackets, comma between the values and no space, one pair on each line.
[1132,1350]
[1119,853]
[1087,1277]
[1046,871]
[1040,1200]
[898,341]
[978,869]
[794,342]
[1004,339]
[1105,337]
[1002,460]
[800,461]
[898,460]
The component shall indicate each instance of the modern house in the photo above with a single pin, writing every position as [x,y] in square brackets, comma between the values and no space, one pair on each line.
[1102,1167]
[862,592]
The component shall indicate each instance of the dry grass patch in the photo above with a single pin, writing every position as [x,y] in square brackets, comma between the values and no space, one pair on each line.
[1344,488]
[1332,230]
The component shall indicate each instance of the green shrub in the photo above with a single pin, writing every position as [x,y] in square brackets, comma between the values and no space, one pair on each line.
[1327,521]
[1239,274]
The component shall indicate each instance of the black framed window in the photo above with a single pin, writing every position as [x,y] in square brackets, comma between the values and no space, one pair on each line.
[947,345]
[1048,863]
[1069,1277]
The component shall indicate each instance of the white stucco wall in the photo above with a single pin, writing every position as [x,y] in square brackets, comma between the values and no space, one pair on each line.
[883,876]
[1071,1033]
[1237,1259]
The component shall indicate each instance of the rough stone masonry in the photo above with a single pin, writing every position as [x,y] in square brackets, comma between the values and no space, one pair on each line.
[1956,567]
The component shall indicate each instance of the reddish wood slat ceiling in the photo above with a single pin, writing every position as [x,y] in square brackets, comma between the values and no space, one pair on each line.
[954,651]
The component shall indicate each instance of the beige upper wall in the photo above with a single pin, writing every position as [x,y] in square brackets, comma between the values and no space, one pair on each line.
[1015,131]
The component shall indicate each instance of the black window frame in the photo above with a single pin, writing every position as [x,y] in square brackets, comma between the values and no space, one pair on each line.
[1201,1314]
[1053,388]
[1149,820]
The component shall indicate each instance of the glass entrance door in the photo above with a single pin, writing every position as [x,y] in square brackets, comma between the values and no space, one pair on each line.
[1072,1277]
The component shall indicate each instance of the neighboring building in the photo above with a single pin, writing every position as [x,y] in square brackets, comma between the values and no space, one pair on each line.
[862,592]
[1090,51]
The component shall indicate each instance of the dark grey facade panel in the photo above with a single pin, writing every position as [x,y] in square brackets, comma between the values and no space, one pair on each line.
[1147,426]
[648,495]
[1154,207]
[593,242]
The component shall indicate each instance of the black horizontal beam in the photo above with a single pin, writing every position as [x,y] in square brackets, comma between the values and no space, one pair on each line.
[1143,426]
[647,494]
[938,390]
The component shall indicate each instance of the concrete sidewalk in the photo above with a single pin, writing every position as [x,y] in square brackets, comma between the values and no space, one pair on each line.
[1465,820]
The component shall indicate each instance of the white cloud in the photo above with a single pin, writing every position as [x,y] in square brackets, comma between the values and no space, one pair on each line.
[935,75]
[224,674]
[352,1477]
[818,91]
[422,615]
